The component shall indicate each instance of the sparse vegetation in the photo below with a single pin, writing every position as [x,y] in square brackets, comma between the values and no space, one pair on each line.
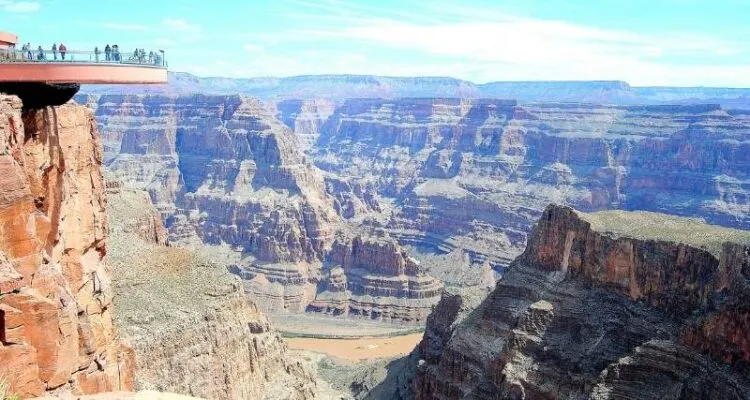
[655,226]
[5,393]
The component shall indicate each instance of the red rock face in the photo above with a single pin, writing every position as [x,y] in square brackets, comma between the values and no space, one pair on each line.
[674,277]
[54,288]
[726,334]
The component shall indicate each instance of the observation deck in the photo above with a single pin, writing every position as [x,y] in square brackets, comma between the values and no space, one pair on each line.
[45,77]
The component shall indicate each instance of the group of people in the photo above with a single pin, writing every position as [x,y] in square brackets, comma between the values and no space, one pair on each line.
[112,53]
[41,55]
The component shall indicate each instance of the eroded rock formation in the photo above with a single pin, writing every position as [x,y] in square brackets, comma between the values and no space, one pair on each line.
[475,174]
[374,277]
[222,170]
[56,329]
[587,314]
[304,117]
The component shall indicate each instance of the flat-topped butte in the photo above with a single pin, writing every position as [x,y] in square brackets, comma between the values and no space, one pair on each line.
[656,226]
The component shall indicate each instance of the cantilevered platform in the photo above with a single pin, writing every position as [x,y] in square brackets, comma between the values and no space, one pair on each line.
[81,73]
[43,78]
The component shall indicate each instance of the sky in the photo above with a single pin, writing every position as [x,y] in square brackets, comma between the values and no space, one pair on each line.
[642,42]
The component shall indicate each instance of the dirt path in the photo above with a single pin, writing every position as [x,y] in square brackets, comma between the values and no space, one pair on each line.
[360,348]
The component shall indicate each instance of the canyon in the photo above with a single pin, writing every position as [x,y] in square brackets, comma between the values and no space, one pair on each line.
[387,205]
[158,235]
[454,181]
[457,183]
[224,172]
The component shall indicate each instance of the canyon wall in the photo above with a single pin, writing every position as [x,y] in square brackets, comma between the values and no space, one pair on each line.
[475,174]
[590,314]
[458,183]
[304,117]
[374,277]
[56,313]
[224,171]
[193,330]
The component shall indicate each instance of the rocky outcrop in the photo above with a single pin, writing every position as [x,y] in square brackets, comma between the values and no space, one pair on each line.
[142,218]
[230,353]
[588,314]
[193,330]
[352,198]
[56,329]
[224,165]
[304,118]
[373,277]
[677,278]
[140,395]
[724,334]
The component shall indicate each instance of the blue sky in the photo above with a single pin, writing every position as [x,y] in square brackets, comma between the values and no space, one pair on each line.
[644,42]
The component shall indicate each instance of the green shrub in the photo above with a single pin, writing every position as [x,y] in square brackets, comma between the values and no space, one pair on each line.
[5,391]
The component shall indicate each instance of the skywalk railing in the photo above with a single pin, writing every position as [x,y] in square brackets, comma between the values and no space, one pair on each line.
[156,60]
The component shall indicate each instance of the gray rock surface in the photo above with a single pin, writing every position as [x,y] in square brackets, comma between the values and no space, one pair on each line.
[192,330]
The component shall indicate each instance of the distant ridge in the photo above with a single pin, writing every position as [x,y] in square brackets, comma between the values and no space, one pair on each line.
[341,87]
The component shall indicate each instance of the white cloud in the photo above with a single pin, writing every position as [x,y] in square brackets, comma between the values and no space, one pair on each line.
[511,48]
[182,25]
[337,37]
[20,6]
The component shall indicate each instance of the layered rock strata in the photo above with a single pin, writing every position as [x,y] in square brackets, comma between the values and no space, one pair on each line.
[375,278]
[56,329]
[589,314]
[304,117]
[222,170]
[481,171]
[193,330]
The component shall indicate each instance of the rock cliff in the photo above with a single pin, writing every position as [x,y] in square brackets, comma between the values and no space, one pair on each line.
[304,117]
[56,313]
[193,330]
[587,313]
[375,278]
